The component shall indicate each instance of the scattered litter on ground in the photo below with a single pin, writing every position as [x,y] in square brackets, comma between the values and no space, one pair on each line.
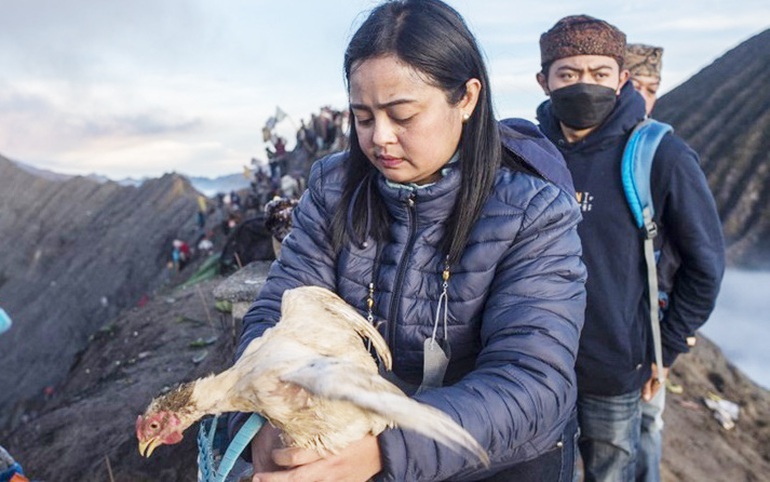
[225,306]
[690,405]
[200,357]
[107,328]
[674,387]
[187,319]
[200,342]
[725,411]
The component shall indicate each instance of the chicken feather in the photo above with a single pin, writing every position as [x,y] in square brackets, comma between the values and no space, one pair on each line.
[337,380]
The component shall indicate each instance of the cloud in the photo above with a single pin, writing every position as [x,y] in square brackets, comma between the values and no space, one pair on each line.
[151,157]
[94,83]
[148,124]
[81,39]
[737,324]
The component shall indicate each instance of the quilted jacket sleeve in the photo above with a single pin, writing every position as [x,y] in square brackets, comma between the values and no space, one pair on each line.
[519,396]
[692,224]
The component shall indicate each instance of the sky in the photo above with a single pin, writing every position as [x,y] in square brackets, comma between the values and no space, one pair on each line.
[145,87]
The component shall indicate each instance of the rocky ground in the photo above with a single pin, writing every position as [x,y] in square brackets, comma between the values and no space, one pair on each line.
[75,254]
[85,430]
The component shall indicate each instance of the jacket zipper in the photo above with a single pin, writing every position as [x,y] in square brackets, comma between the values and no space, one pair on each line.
[395,302]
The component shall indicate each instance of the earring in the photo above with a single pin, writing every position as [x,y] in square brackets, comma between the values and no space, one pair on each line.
[466,116]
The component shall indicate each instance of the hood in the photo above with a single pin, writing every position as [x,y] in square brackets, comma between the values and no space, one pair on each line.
[628,111]
[524,139]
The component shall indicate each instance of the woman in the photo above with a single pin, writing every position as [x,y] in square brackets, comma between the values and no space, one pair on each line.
[429,218]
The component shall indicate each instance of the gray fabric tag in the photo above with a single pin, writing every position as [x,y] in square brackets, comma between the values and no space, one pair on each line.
[435,363]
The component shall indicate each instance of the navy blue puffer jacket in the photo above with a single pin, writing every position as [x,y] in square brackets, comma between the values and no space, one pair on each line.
[516,302]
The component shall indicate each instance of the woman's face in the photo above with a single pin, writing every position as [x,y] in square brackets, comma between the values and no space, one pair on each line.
[405,126]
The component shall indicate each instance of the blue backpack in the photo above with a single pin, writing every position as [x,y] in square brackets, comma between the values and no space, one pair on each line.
[635,173]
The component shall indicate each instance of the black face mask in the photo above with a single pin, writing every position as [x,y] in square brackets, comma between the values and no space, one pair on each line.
[581,106]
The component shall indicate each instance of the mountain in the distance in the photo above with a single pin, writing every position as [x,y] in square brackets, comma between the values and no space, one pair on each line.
[205,185]
[723,112]
[75,252]
[222,184]
[42,173]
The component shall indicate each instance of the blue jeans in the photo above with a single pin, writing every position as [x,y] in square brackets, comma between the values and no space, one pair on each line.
[556,465]
[610,429]
[651,442]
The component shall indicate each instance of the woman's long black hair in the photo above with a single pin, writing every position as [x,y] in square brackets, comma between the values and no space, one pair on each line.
[432,38]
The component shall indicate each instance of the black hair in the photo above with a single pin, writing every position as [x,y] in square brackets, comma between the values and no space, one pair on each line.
[432,38]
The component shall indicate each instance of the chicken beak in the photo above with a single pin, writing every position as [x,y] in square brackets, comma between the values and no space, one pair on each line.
[147,447]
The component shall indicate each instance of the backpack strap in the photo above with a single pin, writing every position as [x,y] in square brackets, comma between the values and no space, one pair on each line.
[207,471]
[238,444]
[635,173]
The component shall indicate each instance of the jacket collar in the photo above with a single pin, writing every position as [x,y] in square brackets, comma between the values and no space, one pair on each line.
[431,203]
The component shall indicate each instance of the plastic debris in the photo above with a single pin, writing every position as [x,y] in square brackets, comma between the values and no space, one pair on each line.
[674,387]
[725,411]
[690,405]
[187,319]
[200,357]
[224,306]
[200,342]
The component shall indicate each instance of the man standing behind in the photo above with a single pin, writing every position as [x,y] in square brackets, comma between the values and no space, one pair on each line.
[589,117]
[644,63]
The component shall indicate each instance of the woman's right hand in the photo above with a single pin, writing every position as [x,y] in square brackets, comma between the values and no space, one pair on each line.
[262,445]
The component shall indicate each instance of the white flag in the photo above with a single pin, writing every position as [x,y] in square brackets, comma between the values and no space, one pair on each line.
[279,114]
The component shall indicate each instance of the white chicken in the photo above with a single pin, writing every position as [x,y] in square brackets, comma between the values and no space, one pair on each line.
[311,376]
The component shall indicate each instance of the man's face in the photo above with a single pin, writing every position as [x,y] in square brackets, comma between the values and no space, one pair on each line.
[647,86]
[587,69]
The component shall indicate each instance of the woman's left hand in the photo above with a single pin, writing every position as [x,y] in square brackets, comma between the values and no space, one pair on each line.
[356,463]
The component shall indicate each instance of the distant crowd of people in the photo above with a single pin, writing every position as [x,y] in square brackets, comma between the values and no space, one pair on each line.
[326,131]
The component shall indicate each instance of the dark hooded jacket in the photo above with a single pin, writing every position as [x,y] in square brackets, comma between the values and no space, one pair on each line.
[616,349]
[516,302]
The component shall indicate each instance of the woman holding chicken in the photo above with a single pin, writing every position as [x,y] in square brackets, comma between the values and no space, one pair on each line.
[456,236]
